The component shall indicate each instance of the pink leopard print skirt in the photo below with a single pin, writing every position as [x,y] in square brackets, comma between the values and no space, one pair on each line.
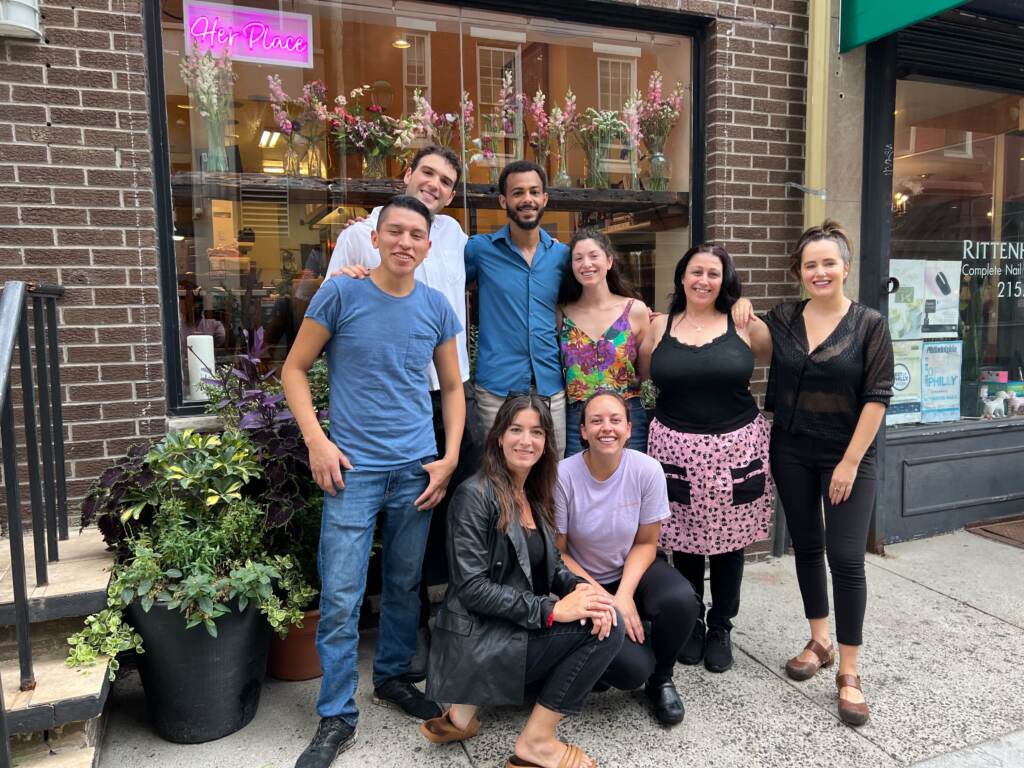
[720,487]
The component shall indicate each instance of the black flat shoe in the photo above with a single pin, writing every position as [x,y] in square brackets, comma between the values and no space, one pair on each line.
[401,694]
[693,650]
[333,736]
[666,706]
[718,650]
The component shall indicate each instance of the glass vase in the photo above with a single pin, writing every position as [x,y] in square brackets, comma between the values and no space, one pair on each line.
[634,169]
[293,152]
[656,168]
[216,153]
[562,178]
[597,171]
[315,164]
[540,153]
[375,166]
[493,172]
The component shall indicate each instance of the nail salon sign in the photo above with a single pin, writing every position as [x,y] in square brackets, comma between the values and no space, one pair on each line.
[250,34]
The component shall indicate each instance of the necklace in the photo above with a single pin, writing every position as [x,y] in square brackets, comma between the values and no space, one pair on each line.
[686,317]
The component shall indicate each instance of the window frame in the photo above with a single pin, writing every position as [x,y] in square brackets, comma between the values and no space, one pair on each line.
[406,85]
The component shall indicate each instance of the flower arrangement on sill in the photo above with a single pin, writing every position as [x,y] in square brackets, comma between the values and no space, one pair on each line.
[540,136]
[211,85]
[658,115]
[596,131]
[302,121]
[633,135]
[441,127]
[486,155]
[369,131]
[510,110]
[561,125]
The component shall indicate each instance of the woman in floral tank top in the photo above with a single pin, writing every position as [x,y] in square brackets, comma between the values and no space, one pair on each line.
[601,325]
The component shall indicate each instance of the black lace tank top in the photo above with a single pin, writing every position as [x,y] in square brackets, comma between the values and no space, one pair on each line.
[704,389]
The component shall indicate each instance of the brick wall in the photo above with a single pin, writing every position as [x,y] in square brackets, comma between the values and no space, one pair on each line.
[76,208]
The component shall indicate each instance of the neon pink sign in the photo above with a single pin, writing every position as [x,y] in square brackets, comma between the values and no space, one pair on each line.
[250,34]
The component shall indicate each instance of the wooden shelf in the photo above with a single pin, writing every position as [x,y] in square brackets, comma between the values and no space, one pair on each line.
[370,192]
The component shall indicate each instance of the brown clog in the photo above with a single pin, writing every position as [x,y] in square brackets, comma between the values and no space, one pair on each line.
[441,730]
[849,712]
[573,757]
[805,670]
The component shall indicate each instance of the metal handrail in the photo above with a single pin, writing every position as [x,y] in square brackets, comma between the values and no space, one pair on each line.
[47,494]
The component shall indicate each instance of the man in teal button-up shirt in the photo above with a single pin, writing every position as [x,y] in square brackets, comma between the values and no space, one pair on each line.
[518,270]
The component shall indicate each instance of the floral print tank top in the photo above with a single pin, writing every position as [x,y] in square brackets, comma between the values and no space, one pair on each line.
[592,365]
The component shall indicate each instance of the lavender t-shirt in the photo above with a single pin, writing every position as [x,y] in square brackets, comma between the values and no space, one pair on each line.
[601,518]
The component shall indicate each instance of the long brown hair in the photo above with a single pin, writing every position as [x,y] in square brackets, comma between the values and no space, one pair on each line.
[540,483]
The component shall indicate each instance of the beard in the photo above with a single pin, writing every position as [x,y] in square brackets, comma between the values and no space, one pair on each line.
[513,216]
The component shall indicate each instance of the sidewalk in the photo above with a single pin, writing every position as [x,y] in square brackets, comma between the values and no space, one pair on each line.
[943,669]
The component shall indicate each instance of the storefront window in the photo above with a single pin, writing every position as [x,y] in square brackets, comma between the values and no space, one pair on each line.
[957,317]
[262,186]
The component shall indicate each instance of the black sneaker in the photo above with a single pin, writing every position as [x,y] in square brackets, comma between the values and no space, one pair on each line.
[718,651]
[666,706]
[399,692]
[693,649]
[333,736]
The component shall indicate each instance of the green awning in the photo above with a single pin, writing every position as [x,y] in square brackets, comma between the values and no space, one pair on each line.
[866,20]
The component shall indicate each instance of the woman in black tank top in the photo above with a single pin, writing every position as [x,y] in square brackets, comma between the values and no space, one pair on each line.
[712,441]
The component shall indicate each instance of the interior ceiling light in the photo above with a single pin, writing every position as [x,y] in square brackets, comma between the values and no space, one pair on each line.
[401,43]
[269,139]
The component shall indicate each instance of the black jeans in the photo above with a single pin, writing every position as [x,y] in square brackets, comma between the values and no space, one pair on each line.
[726,578]
[566,660]
[802,468]
[435,561]
[666,601]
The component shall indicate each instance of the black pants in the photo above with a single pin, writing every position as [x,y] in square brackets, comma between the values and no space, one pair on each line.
[726,578]
[566,660]
[666,600]
[802,468]
[435,561]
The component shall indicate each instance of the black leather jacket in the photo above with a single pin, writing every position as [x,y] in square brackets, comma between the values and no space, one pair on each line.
[478,647]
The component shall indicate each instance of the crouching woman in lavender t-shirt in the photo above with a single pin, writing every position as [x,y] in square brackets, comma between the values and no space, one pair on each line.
[609,504]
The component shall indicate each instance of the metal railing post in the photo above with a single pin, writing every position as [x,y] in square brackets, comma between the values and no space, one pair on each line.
[46,427]
[58,414]
[32,450]
[5,745]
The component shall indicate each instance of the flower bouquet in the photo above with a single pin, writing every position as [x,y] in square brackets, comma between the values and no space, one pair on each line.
[301,120]
[631,119]
[369,131]
[561,124]
[658,115]
[510,109]
[596,131]
[485,154]
[441,127]
[540,136]
[211,83]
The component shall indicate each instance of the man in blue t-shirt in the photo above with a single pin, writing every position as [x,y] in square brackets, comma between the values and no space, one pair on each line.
[381,335]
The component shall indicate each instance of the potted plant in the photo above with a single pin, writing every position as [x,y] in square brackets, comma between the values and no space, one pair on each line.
[195,589]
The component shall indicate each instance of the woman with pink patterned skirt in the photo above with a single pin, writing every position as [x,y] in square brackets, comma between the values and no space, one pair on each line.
[711,440]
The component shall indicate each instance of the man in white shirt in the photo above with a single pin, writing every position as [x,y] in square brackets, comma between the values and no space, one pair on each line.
[432,178]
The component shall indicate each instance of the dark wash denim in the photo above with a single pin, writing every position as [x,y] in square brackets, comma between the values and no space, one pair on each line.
[346,536]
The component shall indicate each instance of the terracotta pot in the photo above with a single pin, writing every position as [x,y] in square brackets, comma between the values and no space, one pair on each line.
[294,657]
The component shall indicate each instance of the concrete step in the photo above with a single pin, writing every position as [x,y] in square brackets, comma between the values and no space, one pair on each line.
[76,745]
[62,694]
[77,581]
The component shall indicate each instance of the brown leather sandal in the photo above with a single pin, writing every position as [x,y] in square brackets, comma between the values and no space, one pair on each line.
[441,730]
[849,712]
[805,670]
[572,758]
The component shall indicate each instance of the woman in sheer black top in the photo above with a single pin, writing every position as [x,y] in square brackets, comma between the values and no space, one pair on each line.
[830,383]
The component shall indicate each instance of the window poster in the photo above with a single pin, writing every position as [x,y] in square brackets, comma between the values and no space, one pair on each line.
[940,381]
[927,303]
[905,406]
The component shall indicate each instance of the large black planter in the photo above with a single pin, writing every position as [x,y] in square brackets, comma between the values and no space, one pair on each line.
[201,688]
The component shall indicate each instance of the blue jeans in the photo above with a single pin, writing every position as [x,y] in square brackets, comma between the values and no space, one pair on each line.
[637,438]
[346,536]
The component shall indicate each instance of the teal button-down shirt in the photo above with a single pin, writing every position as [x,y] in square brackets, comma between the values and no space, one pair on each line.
[518,341]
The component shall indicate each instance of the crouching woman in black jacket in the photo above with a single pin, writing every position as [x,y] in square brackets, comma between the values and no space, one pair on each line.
[500,629]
